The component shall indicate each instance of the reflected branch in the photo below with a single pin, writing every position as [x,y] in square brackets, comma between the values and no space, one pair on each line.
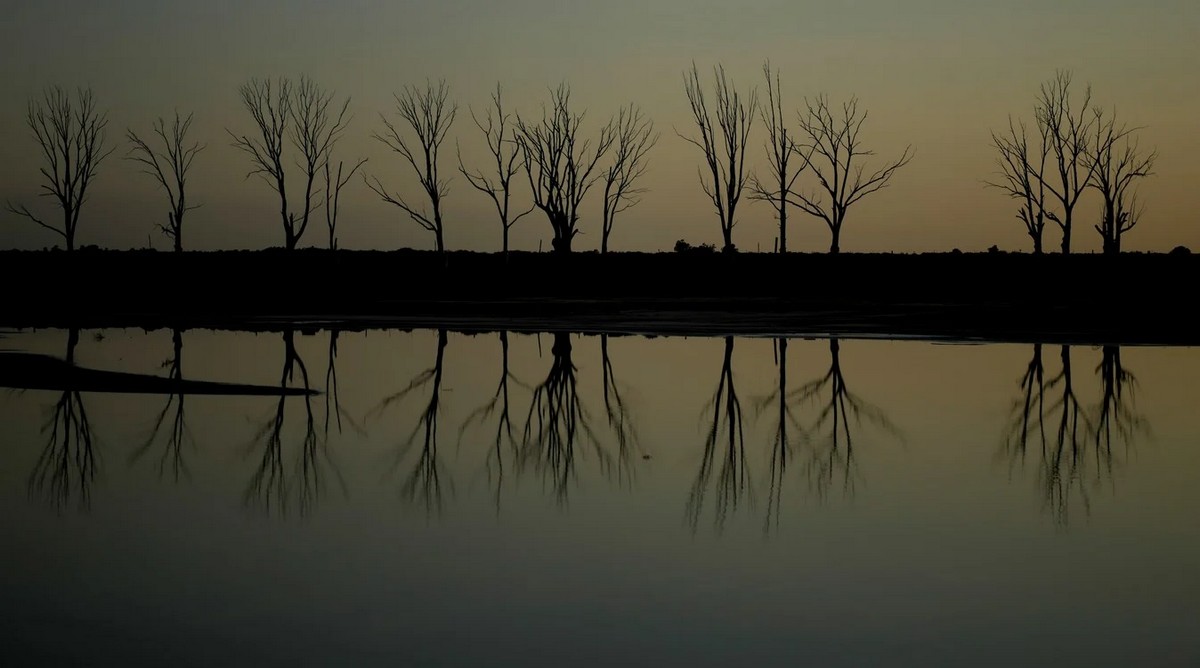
[498,407]
[271,484]
[840,411]
[424,481]
[178,435]
[616,410]
[557,421]
[68,463]
[726,427]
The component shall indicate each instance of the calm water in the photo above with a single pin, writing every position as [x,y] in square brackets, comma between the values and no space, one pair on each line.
[452,499]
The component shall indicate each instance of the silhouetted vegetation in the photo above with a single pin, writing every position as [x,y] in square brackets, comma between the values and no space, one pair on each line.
[1021,165]
[561,164]
[780,149]
[504,148]
[428,113]
[304,115]
[169,164]
[834,153]
[1118,165]
[70,133]
[634,136]
[724,154]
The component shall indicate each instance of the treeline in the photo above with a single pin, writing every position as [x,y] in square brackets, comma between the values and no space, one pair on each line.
[1072,146]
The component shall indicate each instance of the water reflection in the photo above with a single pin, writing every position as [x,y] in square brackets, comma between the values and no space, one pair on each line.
[1071,438]
[839,412]
[424,480]
[558,427]
[173,418]
[1066,432]
[273,487]
[497,408]
[723,465]
[67,465]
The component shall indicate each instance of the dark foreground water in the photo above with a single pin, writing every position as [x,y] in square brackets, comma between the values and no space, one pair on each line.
[528,500]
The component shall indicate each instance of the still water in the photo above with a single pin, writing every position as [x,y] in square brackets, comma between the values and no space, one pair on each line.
[523,499]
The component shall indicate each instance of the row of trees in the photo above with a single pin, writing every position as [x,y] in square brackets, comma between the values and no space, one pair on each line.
[298,124]
[1072,146]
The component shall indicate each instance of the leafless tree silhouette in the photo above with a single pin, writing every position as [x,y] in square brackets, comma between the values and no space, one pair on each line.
[174,418]
[70,133]
[168,164]
[1068,124]
[724,452]
[831,435]
[429,114]
[272,485]
[303,114]
[634,136]
[724,155]
[1020,167]
[781,147]
[831,142]
[68,463]
[561,165]
[1118,164]
[505,150]
[425,479]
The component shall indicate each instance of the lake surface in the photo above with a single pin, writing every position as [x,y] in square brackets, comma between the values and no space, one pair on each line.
[548,499]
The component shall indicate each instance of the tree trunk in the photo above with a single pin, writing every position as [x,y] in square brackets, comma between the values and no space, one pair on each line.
[727,233]
[1037,244]
[835,245]
[782,224]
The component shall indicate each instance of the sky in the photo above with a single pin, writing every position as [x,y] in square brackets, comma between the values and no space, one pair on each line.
[938,75]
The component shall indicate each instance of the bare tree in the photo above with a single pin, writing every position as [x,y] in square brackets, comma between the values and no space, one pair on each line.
[1020,165]
[333,194]
[780,149]
[634,137]
[506,156]
[1068,125]
[71,135]
[836,153]
[725,155]
[560,165]
[429,113]
[169,165]
[303,114]
[1118,163]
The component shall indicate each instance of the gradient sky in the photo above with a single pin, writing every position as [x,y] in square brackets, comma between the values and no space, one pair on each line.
[937,74]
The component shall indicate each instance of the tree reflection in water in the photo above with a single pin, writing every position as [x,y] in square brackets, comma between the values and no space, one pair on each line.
[272,486]
[424,481]
[723,463]
[173,418]
[67,464]
[1070,438]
